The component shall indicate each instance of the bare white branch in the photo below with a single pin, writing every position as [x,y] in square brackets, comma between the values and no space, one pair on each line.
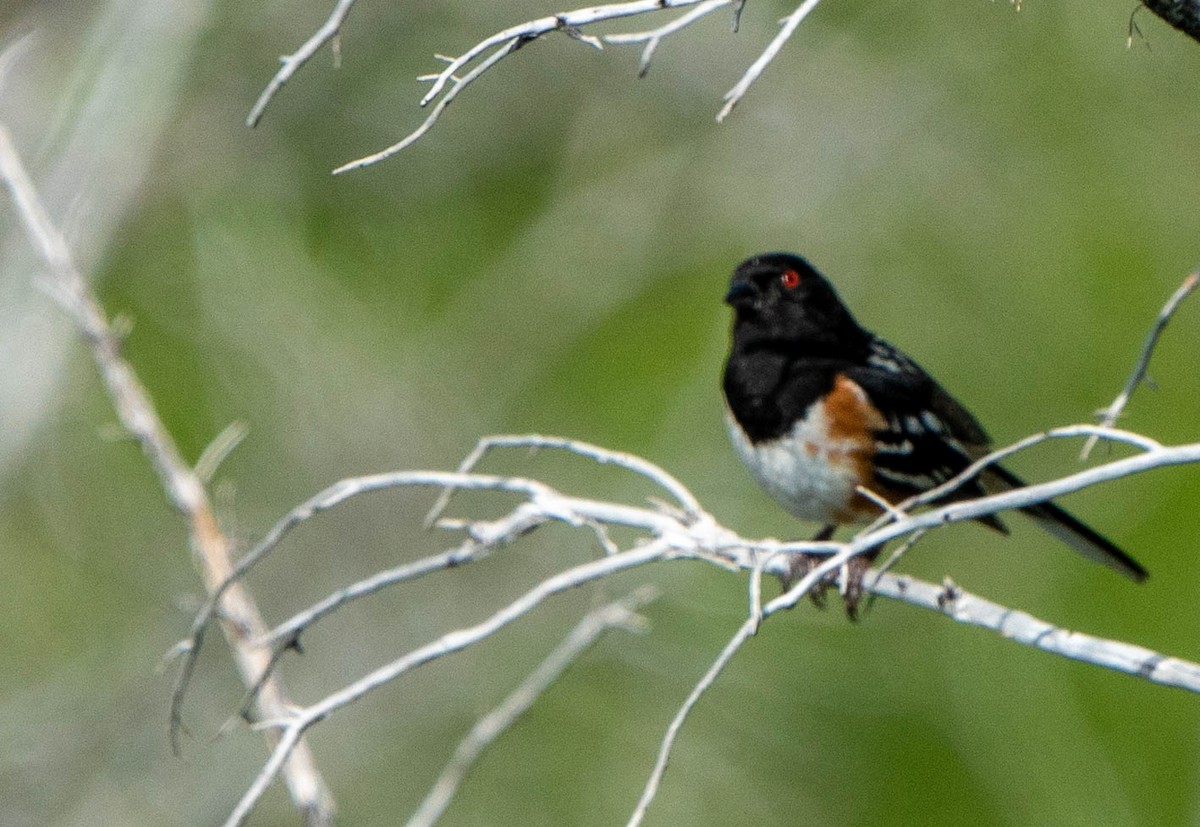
[533,29]
[484,535]
[447,644]
[676,535]
[330,497]
[289,64]
[460,72]
[655,36]
[289,739]
[619,614]
[949,600]
[1018,626]
[788,28]
[459,84]
[1110,415]
[241,618]
[603,456]
[1069,432]
[664,751]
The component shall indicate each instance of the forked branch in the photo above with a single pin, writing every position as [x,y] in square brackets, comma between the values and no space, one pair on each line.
[1110,415]
[241,620]
[673,533]
[460,72]
[463,70]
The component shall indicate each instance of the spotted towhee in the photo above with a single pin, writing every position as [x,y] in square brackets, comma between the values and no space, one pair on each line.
[817,406]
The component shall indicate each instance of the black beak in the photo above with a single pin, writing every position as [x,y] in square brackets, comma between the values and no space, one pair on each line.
[740,294]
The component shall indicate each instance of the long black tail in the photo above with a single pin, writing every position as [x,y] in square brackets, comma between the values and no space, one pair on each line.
[1071,531]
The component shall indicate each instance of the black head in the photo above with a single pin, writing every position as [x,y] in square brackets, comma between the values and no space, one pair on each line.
[780,297]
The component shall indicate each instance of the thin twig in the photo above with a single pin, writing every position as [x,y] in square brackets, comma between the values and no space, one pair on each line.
[745,632]
[289,64]
[219,449]
[618,614]
[335,494]
[1110,414]
[757,614]
[653,37]
[286,636]
[664,750]
[534,29]
[291,629]
[549,505]
[789,26]
[895,512]
[301,719]
[459,85]
[755,588]
[241,621]
[454,77]
[603,456]
[1143,443]
[893,558]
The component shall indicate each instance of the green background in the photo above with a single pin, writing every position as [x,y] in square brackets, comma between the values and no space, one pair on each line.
[1009,195]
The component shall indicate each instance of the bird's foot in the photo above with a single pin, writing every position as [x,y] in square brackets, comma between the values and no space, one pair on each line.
[848,580]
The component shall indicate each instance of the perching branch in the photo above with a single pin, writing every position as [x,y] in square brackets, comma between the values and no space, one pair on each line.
[240,618]
[670,534]
[1026,629]
[947,599]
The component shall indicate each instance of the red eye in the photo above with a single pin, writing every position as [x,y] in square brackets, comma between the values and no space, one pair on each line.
[790,279]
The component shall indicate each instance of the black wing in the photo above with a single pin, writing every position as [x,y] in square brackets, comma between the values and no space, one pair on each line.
[928,436]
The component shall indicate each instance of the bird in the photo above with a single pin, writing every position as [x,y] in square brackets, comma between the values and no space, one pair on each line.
[817,406]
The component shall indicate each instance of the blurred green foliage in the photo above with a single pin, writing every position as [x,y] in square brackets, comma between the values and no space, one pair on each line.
[1010,196]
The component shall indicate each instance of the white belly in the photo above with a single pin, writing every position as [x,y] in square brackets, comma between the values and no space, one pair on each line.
[811,476]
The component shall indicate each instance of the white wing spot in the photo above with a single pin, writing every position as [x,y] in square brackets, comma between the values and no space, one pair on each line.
[918,481]
[880,360]
[902,448]
[932,422]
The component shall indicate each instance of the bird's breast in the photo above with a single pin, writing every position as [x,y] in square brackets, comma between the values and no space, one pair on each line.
[813,468]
